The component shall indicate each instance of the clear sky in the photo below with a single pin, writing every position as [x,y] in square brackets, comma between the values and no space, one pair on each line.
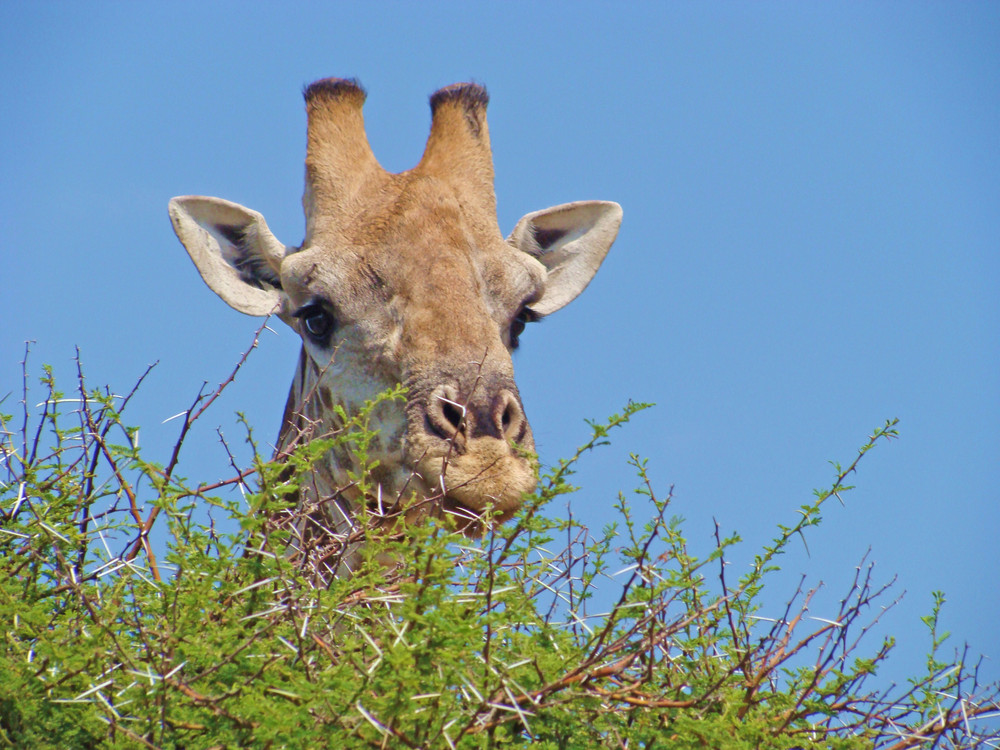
[811,241]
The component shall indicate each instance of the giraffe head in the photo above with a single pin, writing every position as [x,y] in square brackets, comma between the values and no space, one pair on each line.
[406,278]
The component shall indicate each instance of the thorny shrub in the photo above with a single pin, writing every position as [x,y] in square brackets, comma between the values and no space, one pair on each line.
[228,640]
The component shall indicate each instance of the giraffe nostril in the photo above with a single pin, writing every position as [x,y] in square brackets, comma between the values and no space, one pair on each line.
[510,416]
[452,413]
[446,416]
[499,416]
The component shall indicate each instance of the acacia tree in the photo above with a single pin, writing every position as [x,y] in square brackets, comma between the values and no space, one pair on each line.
[130,620]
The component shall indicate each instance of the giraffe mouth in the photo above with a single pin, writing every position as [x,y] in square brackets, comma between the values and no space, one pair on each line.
[478,499]
[477,484]
[473,504]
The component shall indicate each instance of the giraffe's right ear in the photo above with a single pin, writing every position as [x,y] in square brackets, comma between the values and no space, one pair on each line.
[235,252]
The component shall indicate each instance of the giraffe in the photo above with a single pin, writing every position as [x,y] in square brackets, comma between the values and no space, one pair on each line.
[402,279]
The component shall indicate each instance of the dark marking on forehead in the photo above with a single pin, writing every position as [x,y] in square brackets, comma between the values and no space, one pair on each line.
[373,279]
[470,96]
[308,276]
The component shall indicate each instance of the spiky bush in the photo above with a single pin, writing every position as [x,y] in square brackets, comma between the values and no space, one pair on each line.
[227,640]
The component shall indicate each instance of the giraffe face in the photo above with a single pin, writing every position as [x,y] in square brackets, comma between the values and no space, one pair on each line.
[405,278]
[431,307]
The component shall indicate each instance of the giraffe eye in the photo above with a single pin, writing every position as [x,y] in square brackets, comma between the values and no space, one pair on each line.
[517,325]
[316,322]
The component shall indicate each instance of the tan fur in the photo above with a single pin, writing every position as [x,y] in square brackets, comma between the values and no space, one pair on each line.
[420,288]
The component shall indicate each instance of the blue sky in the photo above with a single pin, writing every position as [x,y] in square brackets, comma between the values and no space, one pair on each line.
[811,242]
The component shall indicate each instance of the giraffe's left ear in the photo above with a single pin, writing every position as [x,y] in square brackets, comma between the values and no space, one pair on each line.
[571,241]
[234,251]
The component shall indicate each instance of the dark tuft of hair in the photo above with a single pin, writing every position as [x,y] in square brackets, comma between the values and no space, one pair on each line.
[334,87]
[468,95]
[471,97]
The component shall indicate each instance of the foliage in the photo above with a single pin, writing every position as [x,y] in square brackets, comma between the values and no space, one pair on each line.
[227,640]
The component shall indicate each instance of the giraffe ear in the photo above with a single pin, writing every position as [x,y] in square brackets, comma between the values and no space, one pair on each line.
[571,241]
[234,251]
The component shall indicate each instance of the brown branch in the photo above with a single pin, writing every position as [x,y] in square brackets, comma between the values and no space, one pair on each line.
[143,540]
[189,420]
[211,703]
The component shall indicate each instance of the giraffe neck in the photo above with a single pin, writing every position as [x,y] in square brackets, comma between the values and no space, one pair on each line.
[323,519]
